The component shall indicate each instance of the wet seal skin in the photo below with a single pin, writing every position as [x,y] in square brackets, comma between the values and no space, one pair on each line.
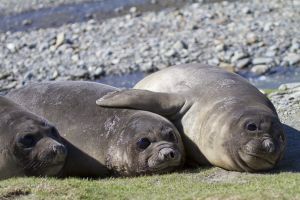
[121,142]
[30,145]
[225,121]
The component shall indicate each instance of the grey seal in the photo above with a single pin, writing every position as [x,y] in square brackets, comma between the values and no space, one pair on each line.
[124,142]
[225,121]
[30,145]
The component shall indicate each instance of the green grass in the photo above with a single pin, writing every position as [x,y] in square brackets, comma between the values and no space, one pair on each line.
[210,183]
[269,91]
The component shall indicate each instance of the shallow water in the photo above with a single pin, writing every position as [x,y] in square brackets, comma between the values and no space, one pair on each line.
[122,81]
[276,77]
[71,13]
[272,81]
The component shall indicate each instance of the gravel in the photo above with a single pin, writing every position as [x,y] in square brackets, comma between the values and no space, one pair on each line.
[287,102]
[254,35]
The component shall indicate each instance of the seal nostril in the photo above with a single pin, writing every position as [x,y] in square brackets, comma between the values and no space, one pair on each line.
[172,155]
[59,149]
[165,156]
[281,138]
[269,146]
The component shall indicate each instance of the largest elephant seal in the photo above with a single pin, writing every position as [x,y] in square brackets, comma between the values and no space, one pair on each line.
[126,142]
[29,144]
[226,121]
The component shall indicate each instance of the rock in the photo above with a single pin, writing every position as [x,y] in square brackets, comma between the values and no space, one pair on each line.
[60,39]
[11,47]
[26,22]
[29,75]
[52,48]
[75,58]
[288,86]
[243,63]
[295,47]
[4,74]
[260,69]
[292,58]
[133,10]
[220,47]
[239,55]
[79,73]
[273,48]
[119,9]
[268,26]
[227,66]
[98,71]
[246,10]
[54,75]
[262,60]
[180,45]
[10,85]
[115,61]
[147,67]
[251,38]
[222,20]
[271,53]
[214,61]
[228,56]
[171,53]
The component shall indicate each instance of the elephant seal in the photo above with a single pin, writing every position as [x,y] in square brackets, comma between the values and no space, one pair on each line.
[126,142]
[30,145]
[225,120]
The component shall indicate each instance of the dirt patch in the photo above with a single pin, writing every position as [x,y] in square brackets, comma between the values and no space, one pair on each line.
[15,194]
[223,176]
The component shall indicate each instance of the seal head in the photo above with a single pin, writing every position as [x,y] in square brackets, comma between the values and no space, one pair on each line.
[32,146]
[37,146]
[256,142]
[147,144]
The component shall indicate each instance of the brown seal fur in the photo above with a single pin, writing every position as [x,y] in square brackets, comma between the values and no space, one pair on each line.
[30,145]
[225,120]
[123,141]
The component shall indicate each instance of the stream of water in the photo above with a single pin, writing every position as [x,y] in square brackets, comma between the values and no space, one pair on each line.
[271,81]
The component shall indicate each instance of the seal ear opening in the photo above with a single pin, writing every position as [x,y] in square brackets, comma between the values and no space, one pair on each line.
[166,104]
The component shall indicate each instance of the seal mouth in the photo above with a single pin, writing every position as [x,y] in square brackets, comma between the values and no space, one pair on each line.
[254,162]
[258,154]
[157,162]
[57,164]
[43,168]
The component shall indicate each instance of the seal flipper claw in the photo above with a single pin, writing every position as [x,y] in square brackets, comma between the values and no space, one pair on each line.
[166,104]
[107,96]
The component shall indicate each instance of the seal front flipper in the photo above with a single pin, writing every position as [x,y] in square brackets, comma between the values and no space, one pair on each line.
[167,104]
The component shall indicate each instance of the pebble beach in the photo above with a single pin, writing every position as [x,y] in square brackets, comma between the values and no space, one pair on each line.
[241,36]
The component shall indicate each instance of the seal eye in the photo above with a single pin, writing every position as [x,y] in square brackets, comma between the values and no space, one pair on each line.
[171,136]
[54,132]
[143,143]
[251,127]
[27,141]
